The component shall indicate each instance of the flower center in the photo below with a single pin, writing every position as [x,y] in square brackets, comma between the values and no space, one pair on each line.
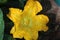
[26,22]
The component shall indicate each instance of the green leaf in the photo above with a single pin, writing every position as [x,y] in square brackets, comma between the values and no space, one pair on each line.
[1,25]
[8,37]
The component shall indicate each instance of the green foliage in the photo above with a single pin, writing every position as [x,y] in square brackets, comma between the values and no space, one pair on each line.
[1,25]
[3,1]
[22,3]
[8,37]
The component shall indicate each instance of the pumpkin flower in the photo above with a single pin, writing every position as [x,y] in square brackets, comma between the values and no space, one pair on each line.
[26,22]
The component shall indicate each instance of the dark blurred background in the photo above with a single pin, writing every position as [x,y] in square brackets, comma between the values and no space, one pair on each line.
[50,8]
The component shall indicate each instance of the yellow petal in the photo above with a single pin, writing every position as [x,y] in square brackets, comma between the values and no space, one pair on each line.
[18,34]
[14,14]
[42,19]
[12,30]
[35,35]
[32,7]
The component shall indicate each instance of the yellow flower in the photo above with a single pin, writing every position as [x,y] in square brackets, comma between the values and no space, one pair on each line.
[26,22]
